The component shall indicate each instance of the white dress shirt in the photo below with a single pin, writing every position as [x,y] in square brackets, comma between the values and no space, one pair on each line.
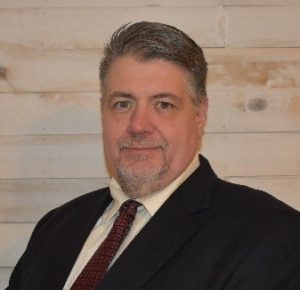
[150,204]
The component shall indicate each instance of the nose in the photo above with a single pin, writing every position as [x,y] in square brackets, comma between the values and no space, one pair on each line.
[140,121]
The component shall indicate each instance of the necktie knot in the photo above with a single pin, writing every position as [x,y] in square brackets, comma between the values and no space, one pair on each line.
[129,208]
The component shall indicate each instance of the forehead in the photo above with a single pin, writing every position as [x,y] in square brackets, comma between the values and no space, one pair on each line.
[128,72]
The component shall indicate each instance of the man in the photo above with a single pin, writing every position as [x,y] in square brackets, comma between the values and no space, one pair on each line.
[191,229]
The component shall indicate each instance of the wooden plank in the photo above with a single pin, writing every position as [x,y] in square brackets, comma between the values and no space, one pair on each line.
[271,110]
[274,110]
[283,188]
[73,28]
[51,156]
[105,3]
[263,26]
[135,3]
[253,154]
[40,70]
[77,70]
[14,238]
[260,2]
[4,277]
[253,68]
[80,156]
[50,113]
[27,200]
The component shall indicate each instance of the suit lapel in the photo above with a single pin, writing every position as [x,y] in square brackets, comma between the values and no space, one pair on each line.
[164,234]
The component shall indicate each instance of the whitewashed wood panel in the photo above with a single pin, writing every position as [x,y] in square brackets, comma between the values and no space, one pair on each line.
[77,70]
[253,154]
[83,28]
[44,70]
[274,110]
[50,113]
[259,2]
[270,110]
[105,3]
[54,156]
[135,3]
[27,200]
[263,26]
[4,277]
[14,238]
[286,188]
[253,68]
[80,156]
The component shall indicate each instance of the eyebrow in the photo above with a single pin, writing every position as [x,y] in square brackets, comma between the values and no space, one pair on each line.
[114,95]
[167,95]
[164,95]
[120,95]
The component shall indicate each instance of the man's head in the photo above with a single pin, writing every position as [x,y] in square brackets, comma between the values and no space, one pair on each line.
[153,105]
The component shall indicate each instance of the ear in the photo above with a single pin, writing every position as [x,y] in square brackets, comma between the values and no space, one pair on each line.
[202,115]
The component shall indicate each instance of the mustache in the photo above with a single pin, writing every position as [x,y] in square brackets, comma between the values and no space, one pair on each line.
[141,142]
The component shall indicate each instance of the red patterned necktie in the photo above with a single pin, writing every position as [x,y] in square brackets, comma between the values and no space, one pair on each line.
[96,268]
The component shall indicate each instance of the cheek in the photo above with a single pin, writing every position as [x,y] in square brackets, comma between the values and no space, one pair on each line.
[109,136]
[185,137]
[112,132]
[111,128]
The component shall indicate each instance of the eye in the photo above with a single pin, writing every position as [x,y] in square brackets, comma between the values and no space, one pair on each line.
[165,105]
[122,105]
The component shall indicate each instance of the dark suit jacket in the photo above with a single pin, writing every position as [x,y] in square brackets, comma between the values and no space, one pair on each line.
[210,234]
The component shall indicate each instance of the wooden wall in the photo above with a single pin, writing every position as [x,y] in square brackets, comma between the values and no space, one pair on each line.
[50,144]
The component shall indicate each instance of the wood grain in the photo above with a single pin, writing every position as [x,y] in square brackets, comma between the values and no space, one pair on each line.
[253,154]
[270,110]
[253,68]
[74,28]
[49,71]
[4,276]
[260,2]
[50,113]
[105,3]
[14,238]
[27,200]
[262,26]
[77,70]
[51,156]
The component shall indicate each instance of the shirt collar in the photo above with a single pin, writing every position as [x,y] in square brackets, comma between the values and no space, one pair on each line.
[154,201]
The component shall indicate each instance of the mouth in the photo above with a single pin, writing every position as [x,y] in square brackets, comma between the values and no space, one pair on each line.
[141,148]
[139,153]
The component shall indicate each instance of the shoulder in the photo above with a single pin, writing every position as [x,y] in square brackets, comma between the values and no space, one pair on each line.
[87,203]
[270,230]
[235,204]
[248,197]
[87,200]
[253,206]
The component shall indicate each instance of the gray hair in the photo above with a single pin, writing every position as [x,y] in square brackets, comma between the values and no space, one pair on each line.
[152,40]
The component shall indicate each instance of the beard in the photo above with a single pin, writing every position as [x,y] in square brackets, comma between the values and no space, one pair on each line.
[137,173]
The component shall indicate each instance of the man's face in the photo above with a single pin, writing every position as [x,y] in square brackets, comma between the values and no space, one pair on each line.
[151,128]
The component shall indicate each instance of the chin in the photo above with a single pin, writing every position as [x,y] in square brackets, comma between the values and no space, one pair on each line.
[141,181]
